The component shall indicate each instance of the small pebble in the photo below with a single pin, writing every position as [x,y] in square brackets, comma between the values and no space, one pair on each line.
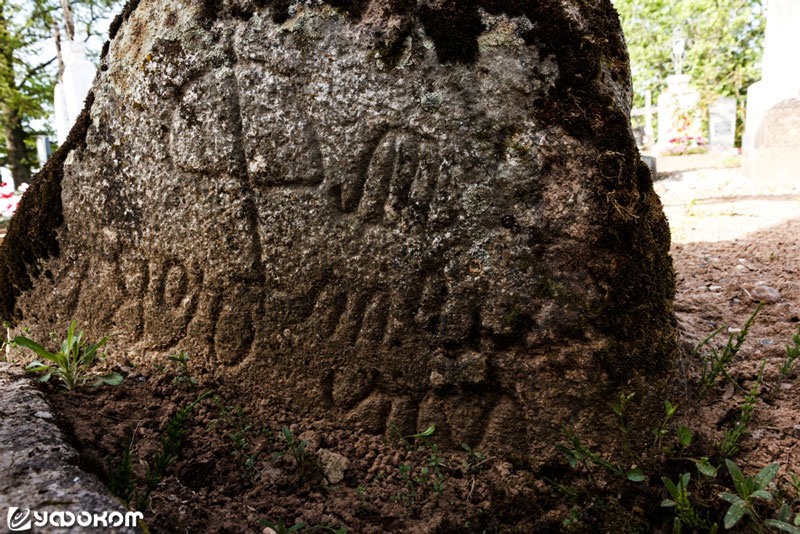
[715,288]
[766,342]
[732,330]
[766,294]
[737,300]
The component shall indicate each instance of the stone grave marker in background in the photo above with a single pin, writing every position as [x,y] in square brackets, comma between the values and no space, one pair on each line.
[770,144]
[679,125]
[774,159]
[722,123]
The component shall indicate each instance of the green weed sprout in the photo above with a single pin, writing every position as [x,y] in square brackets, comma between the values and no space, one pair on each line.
[296,449]
[685,513]
[280,527]
[122,480]
[72,363]
[661,430]
[733,436]
[620,408]
[785,523]
[748,490]
[476,459]
[182,359]
[792,353]
[171,443]
[580,454]
[715,363]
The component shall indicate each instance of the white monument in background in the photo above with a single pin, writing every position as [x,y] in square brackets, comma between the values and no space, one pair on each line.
[771,142]
[679,124]
[70,93]
[722,123]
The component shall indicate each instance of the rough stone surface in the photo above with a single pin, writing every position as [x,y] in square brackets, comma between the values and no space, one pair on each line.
[774,159]
[766,294]
[399,213]
[333,465]
[38,467]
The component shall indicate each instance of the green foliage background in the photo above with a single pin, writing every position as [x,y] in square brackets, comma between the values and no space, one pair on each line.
[26,84]
[725,45]
[27,76]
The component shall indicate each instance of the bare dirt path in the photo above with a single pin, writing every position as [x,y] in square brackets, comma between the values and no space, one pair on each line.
[729,238]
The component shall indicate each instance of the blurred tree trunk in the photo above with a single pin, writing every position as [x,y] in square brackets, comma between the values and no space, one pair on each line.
[15,146]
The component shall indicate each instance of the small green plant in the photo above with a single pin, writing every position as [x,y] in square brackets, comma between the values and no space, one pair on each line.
[72,363]
[620,408]
[431,474]
[171,443]
[432,471]
[244,450]
[280,527]
[705,468]
[784,522]
[475,461]
[748,490]
[121,480]
[792,353]
[408,496]
[660,431]
[241,431]
[573,518]
[685,512]
[579,454]
[729,445]
[422,436]
[794,483]
[684,438]
[715,363]
[296,449]
[183,377]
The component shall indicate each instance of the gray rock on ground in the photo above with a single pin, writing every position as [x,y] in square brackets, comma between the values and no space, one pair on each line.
[38,467]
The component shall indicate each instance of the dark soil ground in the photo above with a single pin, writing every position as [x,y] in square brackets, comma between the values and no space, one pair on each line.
[235,467]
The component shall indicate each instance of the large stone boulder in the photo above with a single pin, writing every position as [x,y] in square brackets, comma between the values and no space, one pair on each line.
[774,159]
[395,212]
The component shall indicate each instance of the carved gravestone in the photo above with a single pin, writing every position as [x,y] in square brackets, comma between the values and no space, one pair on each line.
[773,160]
[722,123]
[397,213]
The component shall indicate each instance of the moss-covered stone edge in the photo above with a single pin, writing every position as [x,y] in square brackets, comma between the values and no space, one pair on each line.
[32,235]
